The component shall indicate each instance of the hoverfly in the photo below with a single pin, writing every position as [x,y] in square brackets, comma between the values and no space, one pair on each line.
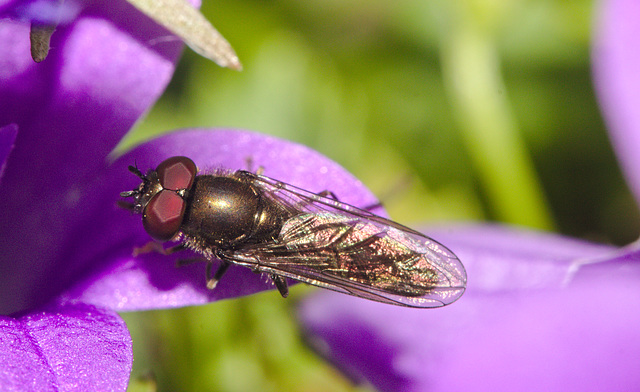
[251,220]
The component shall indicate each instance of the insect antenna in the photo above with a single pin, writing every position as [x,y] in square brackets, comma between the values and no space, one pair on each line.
[137,172]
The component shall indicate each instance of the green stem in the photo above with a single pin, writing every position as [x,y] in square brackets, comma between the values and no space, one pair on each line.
[473,77]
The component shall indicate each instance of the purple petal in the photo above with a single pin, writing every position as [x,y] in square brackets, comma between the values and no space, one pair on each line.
[506,258]
[43,11]
[66,348]
[616,59]
[123,282]
[7,140]
[504,333]
[71,109]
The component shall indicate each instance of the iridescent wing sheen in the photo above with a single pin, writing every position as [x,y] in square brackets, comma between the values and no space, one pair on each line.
[336,246]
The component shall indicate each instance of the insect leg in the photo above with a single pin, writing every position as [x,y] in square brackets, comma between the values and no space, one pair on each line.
[373,206]
[333,196]
[328,194]
[281,285]
[249,161]
[153,246]
[183,262]
[212,282]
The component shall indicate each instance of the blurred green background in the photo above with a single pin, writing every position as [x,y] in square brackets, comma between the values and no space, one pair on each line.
[448,110]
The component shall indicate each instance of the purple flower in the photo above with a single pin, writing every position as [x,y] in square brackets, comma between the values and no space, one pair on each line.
[40,11]
[536,316]
[70,112]
[72,347]
[66,247]
[58,121]
[616,58]
[541,312]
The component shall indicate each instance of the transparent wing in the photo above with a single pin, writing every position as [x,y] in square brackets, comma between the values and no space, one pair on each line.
[336,246]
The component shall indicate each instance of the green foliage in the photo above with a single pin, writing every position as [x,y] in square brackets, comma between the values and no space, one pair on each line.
[247,344]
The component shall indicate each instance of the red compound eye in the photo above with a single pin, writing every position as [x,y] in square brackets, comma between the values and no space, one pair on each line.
[163,215]
[177,173]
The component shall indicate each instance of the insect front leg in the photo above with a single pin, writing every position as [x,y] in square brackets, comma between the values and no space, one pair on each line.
[281,285]
[331,195]
[212,281]
[154,247]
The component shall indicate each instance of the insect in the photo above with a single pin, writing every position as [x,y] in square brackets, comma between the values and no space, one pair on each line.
[251,220]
